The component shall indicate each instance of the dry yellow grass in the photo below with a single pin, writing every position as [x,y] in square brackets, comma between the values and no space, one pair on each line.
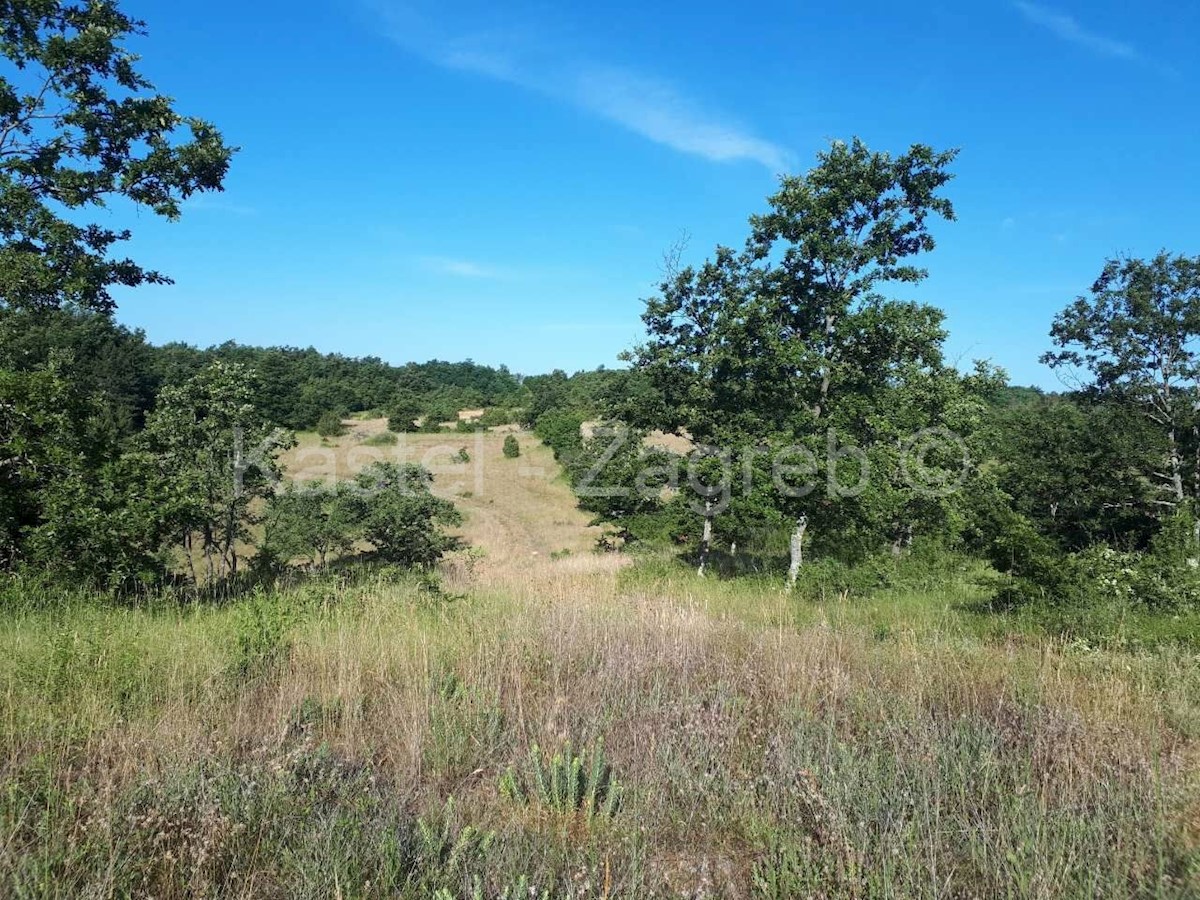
[519,512]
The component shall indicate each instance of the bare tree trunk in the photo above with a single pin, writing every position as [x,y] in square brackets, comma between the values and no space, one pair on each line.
[826,366]
[903,539]
[1176,466]
[706,539]
[187,551]
[797,552]
[209,553]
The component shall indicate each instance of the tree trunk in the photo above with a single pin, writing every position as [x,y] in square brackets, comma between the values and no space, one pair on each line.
[827,365]
[797,552]
[187,551]
[706,539]
[1176,466]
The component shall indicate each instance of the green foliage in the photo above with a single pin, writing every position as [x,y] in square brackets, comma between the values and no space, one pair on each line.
[330,424]
[100,359]
[403,414]
[560,431]
[438,412]
[495,416]
[383,439]
[462,456]
[620,479]
[787,343]
[217,458]
[261,626]
[1075,469]
[402,515]
[79,129]
[512,447]
[1137,334]
[565,782]
[313,522]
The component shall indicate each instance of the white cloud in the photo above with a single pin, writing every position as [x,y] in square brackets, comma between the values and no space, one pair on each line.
[1067,28]
[460,268]
[646,106]
[657,111]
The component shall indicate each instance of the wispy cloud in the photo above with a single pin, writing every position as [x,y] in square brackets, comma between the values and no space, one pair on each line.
[218,204]
[1067,28]
[645,105]
[461,268]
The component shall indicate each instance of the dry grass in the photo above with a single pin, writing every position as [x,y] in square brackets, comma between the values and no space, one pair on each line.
[307,744]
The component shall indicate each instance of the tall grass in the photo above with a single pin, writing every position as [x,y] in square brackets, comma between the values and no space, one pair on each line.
[381,738]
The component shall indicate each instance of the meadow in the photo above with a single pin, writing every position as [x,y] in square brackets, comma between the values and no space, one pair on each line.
[541,720]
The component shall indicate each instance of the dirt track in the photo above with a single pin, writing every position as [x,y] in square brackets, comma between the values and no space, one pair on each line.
[521,518]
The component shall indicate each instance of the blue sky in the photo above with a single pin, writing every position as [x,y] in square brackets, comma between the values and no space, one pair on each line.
[499,181]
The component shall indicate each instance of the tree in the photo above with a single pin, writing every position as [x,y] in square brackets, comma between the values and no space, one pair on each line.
[1137,335]
[403,415]
[403,517]
[313,521]
[46,436]
[330,424]
[512,447]
[100,358]
[217,457]
[80,128]
[788,342]
[1075,467]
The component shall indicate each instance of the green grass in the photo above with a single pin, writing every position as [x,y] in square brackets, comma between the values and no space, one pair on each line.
[368,735]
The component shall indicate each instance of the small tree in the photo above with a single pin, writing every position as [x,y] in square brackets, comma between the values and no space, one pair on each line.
[403,517]
[403,415]
[512,447]
[439,412]
[789,341]
[313,521]
[330,425]
[1139,335]
[216,456]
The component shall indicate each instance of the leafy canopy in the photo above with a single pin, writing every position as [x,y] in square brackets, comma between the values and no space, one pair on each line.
[79,129]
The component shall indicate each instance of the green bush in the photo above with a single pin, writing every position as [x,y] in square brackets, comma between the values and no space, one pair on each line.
[383,439]
[403,415]
[330,424]
[512,447]
[402,516]
[496,416]
[560,430]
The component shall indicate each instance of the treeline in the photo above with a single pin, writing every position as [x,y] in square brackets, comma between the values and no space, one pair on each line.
[296,386]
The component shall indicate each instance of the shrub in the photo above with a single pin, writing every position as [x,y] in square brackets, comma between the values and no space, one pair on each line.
[512,447]
[496,416]
[403,415]
[561,433]
[312,522]
[330,425]
[383,439]
[462,456]
[403,516]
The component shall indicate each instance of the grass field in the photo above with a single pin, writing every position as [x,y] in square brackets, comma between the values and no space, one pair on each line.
[552,722]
